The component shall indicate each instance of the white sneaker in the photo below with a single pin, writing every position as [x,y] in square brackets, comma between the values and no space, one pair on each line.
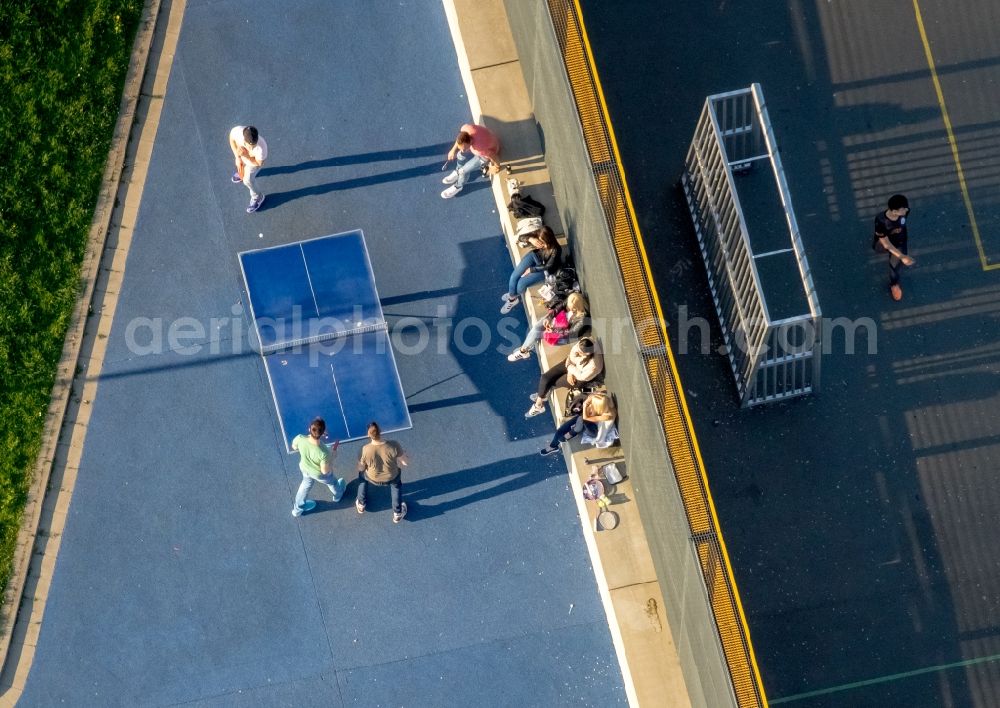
[396,518]
[450,178]
[535,409]
[512,185]
[450,192]
[509,305]
[517,355]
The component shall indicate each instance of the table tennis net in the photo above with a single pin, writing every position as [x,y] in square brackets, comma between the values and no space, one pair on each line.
[327,335]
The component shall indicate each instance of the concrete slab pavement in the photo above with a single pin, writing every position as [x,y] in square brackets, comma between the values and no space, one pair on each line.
[858,520]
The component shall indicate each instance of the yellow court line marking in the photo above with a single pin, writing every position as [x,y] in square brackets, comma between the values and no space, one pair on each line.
[669,350]
[984,262]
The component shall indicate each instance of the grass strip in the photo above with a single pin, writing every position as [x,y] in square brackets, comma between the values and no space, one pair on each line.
[62,71]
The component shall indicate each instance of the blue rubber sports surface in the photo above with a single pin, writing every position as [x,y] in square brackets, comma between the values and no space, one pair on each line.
[326,350]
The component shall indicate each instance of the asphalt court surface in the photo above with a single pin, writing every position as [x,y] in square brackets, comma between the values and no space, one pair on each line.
[861,522]
[182,577]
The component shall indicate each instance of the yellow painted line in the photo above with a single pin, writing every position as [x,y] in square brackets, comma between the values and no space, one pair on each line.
[984,262]
[669,350]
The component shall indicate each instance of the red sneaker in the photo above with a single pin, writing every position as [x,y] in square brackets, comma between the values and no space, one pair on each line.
[897,292]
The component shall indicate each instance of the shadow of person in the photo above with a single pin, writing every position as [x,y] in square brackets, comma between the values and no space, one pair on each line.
[361,158]
[492,480]
[275,199]
[475,186]
[324,505]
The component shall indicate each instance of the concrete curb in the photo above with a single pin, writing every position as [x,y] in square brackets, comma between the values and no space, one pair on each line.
[538,174]
[622,562]
[63,388]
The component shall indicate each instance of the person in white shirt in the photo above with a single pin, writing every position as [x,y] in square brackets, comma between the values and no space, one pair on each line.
[250,151]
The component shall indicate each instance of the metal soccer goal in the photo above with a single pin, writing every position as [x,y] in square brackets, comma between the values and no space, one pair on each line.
[749,239]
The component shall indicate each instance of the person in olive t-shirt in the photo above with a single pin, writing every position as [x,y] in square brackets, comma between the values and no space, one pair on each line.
[891,237]
[316,464]
[379,463]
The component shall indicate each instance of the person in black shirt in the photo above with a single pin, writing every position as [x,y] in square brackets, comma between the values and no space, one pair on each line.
[890,237]
[544,258]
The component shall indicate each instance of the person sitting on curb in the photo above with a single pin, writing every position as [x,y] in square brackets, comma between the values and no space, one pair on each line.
[380,463]
[316,463]
[560,326]
[544,258]
[484,147]
[584,363]
[591,414]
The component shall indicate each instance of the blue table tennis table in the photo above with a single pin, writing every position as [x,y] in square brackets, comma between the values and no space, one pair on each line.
[323,337]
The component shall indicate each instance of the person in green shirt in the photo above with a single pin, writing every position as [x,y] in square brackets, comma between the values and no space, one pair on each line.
[316,464]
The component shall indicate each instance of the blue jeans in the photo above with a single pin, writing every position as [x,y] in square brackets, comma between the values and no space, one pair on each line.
[469,167]
[336,488]
[395,487]
[520,280]
[570,429]
[533,335]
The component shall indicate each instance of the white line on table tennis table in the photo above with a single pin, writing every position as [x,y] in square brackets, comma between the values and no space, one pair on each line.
[340,403]
[277,406]
[305,264]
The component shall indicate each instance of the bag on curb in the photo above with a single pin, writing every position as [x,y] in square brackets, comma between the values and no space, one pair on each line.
[558,287]
[522,206]
[612,473]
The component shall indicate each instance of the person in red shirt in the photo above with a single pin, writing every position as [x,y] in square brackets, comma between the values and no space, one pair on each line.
[475,146]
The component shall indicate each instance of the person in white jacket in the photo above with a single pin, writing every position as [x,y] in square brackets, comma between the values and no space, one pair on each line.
[584,363]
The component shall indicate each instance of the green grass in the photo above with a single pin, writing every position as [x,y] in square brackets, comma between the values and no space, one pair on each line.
[62,69]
